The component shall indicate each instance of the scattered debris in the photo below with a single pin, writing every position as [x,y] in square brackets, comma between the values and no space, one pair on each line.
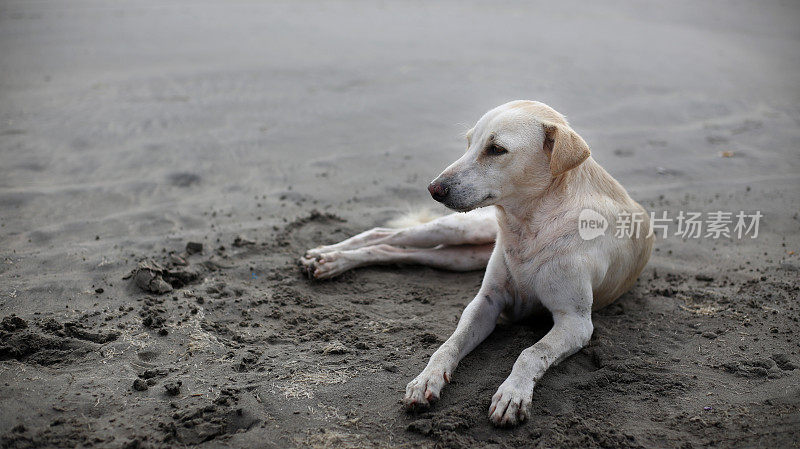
[151,373]
[173,388]
[194,248]
[335,347]
[148,276]
[152,277]
[240,241]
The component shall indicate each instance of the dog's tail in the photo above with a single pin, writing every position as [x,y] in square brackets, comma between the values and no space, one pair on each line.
[413,217]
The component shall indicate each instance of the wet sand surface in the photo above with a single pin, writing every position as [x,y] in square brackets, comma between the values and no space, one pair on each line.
[129,130]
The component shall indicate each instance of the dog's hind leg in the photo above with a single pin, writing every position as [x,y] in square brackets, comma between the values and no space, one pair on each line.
[455,258]
[472,228]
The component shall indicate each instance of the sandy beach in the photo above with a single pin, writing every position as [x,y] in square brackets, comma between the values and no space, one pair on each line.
[220,140]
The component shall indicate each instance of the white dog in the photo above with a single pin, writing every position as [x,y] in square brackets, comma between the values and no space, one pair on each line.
[525,160]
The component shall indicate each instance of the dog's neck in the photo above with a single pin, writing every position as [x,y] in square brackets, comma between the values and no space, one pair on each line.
[522,213]
[529,214]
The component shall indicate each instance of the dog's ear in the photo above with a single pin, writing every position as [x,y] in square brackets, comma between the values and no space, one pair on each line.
[565,148]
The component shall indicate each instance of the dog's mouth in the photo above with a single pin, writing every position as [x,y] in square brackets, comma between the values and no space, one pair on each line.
[462,209]
[466,208]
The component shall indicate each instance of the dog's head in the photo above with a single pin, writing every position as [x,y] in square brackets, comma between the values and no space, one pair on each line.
[514,151]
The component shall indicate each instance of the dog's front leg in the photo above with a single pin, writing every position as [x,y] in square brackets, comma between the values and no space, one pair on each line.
[476,323]
[571,306]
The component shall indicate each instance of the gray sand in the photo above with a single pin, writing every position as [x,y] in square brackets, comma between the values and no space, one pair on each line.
[128,130]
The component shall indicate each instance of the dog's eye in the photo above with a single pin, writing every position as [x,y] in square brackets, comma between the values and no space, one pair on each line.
[495,150]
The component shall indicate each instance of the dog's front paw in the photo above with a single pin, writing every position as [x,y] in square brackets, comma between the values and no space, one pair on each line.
[425,388]
[512,403]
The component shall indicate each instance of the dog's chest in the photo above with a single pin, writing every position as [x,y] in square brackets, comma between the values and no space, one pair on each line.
[526,246]
[521,267]
[521,288]
[522,246]
[522,258]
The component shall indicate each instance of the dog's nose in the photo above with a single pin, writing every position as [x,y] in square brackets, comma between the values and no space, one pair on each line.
[438,191]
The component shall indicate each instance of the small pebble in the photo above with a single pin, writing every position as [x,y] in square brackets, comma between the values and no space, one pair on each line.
[194,247]
[173,388]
